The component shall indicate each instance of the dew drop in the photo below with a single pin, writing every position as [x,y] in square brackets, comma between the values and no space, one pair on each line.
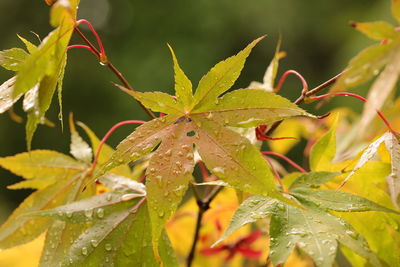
[84,251]
[168,153]
[94,243]
[88,213]
[100,213]
[68,214]
[108,247]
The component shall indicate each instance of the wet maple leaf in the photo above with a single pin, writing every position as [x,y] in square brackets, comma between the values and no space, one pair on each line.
[201,120]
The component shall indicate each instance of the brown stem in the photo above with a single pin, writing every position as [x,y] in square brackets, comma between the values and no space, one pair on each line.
[203,205]
[301,98]
[114,70]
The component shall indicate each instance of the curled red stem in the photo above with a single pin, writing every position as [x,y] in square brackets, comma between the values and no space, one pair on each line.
[96,35]
[380,114]
[83,46]
[107,135]
[291,162]
[298,75]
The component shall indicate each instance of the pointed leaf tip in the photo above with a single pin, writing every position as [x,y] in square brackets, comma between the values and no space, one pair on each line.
[183,86]
[220,78]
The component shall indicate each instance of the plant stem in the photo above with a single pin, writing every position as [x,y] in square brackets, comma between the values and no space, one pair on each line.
[106,136]
[108,63]
[380,114]
[203,205]
[291,162]
[301,98]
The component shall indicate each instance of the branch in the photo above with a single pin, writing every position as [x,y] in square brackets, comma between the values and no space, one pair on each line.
[203,205]
[304,95]
[105,61]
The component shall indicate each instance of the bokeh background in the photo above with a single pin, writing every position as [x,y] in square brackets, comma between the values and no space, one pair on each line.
[315,34]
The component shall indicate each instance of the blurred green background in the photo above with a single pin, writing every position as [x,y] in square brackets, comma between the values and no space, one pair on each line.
[316,37]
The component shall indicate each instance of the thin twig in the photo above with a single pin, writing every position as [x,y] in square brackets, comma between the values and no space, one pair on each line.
[203,205]
[301,98]
[113,69]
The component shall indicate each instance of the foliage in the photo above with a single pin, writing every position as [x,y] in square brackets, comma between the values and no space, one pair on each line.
[131,206]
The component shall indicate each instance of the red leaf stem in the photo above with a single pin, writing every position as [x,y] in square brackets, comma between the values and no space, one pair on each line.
[107,135]
[83,46]
[380,114]
[291,162]
[284,76]
[99,42]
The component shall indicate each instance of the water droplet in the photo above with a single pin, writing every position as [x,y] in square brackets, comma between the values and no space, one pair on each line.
[152,170]
[178,164]
[84,251]
[88,213]
[94,243]
[180,153]
[185,147]
[108,247]
[100,213]
[60,213]
[189,156]
[209,116]
[161,214]
[109,197]
[168,153]
[68,214]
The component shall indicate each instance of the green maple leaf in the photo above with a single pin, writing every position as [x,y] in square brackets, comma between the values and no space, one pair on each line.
[119,233]
[314,229]
[59,179]
[40,70]
[202,120]
[369,62]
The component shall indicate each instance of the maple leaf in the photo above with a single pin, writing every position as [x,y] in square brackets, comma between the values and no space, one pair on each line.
[202,120]
[314,229]
[119,233]
[59,179]
[392,143]
[40,71]
[369,63]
